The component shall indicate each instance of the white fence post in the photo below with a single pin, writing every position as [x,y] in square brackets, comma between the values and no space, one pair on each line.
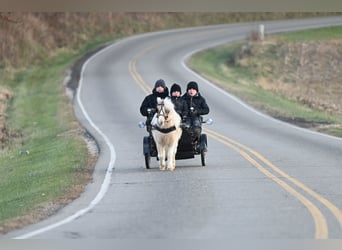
[261,32]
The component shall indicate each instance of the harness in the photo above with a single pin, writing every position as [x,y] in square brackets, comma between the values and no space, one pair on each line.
[164,130]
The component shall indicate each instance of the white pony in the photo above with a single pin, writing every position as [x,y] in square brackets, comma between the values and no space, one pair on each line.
[166,132]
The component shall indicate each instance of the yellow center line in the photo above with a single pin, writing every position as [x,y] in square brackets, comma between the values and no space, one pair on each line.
[135,74]
[321,227]
[132,63]
[319,219]
[333,209]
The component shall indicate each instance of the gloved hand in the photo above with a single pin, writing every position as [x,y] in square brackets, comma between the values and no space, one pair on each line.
[193,111]
[151,110]
[185,124]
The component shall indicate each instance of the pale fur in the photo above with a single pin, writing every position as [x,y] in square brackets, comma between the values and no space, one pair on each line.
[167,143]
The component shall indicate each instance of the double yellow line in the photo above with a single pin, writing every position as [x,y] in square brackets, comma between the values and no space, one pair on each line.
[257,160]
[260,162]
[135,74]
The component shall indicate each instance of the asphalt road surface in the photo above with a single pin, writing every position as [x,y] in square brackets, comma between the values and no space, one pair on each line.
[264,179]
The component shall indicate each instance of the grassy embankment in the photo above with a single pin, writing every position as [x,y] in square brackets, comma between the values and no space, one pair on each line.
[44,161]
[276,77]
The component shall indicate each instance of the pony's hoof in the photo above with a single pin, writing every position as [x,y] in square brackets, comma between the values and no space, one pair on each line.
[171,168]
[162,168]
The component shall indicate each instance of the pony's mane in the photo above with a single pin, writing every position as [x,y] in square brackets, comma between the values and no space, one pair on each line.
[168,104]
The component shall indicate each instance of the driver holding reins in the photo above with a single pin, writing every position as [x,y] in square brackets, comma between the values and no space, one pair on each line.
[149,105]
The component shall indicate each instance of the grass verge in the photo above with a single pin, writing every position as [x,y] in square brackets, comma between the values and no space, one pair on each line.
[47,164]
[218,65]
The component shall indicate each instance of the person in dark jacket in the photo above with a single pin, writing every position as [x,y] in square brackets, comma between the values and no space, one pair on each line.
[149,105]
[197,106]
[181,106]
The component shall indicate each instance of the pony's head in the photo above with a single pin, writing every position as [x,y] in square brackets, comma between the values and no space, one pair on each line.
[166,114]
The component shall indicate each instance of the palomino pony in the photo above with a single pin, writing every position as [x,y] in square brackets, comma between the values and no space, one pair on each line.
[166,132]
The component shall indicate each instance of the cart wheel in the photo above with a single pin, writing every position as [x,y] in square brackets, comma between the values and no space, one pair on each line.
[147,160]
[203,157]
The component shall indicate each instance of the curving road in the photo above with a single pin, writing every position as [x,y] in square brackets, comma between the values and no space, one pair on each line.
[263,179]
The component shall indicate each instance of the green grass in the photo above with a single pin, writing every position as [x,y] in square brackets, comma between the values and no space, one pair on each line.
[217,64]
[41,114]
[213,62]
[329,33]
[39,111]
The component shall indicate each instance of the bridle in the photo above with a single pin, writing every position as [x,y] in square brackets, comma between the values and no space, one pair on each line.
[162,112]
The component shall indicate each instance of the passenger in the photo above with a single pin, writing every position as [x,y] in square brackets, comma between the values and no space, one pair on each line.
[149,105]
[181,106]
[197,106]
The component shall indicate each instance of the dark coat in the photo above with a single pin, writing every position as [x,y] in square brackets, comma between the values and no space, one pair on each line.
[181,106]
[150,101]
[199,104]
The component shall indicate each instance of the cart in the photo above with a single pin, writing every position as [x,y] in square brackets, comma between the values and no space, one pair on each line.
[187,148]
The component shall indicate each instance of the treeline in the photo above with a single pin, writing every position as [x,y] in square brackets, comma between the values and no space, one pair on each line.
[28,38]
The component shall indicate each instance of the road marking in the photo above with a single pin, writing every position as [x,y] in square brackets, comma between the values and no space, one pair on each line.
[106,181]
[321,227]
[320,232]
[333,209]
[319,219]
[134,73]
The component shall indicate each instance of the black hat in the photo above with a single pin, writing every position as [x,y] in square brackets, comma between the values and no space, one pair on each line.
[192,85]
[175,87]
[160,83]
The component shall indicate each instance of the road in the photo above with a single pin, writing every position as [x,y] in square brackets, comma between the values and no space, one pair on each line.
[264,179]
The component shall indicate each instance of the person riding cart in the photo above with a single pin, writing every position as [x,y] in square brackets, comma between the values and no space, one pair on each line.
[197,106]
[149,105]
[181,105]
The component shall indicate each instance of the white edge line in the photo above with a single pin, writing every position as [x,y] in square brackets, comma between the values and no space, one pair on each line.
[236,99]
[106,182]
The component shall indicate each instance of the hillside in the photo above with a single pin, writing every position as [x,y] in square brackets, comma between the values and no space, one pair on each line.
[308,72]
[27,39]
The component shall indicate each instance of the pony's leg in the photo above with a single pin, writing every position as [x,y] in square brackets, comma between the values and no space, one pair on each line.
[171,155]
[174,155]
[161,155]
